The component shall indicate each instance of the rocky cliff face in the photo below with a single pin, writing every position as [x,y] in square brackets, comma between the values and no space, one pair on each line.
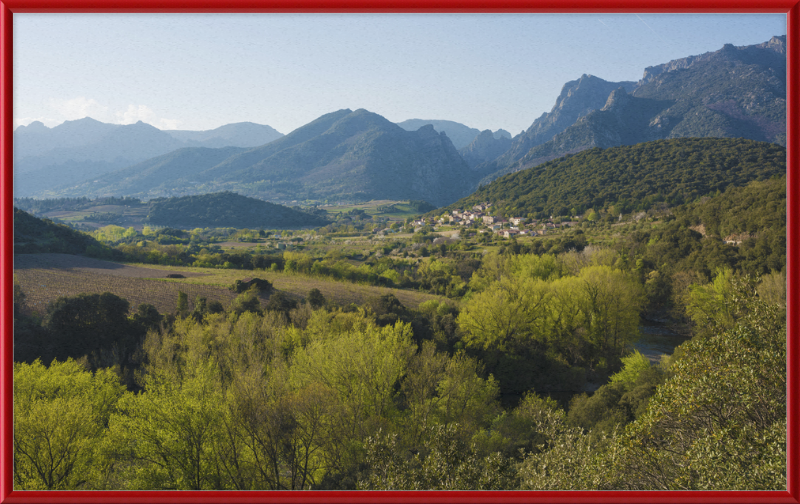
[460,134]
[486,147]
[733,92]
[736,92]
[776,45]
[577,98]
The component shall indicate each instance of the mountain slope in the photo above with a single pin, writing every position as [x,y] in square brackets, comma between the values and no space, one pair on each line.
[730,93]
[458,133]
[624,120]
[177,173]
[47,158]
[733,92]
[36,138]
[485,147]
[244,134]
[577,98]
[362,156]
[34,236]
[341,155]
[168,174]
[631,177]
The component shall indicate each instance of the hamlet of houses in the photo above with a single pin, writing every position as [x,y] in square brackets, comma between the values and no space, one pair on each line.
[477,217]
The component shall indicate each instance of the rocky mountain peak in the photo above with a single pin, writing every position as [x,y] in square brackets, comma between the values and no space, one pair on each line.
[579,97]
[484,137]
[618,98]
[485,147]
[728,51]
[777,44]
[428,130]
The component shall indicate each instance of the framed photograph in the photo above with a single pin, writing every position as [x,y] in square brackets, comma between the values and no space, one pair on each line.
[371,251]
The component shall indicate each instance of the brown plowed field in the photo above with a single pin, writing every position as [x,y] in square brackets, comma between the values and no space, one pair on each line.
[43,286]
[46,277]
[89,265]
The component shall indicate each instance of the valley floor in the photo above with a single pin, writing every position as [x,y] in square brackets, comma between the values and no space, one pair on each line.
[46,277]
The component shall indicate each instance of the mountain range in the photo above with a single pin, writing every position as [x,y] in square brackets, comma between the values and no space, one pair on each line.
[459,134]
[46,158]
[737,92]
[344,154]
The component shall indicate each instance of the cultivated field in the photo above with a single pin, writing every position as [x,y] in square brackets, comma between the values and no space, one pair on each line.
[46,277]
[128,215]
[298,285]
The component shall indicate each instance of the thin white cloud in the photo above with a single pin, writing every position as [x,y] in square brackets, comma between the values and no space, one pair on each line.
[24,121]
[134,114]
[168,124]
[143,113]
[80,107]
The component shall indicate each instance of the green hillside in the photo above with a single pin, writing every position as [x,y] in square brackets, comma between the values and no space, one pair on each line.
[631,177]
[35,236]
[750,209]
[227,209]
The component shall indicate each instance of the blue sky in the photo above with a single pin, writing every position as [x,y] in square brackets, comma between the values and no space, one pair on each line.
[200,71]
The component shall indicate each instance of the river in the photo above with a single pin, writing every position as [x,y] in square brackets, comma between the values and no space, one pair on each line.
[657,339]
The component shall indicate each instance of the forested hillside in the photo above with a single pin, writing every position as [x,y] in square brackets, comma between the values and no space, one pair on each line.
[33,235]
[227,209]
[631,178]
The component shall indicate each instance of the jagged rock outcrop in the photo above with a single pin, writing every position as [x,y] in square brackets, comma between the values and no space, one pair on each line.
[735,92]
[577,98]
[485,147]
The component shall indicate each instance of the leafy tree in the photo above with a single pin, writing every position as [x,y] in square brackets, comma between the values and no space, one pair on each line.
[508,312]
[315,298]
[565,457]
[720,421]
[514,433]
[147,317]
[168,433]
[632,366]
[182,305]
[359,370]
[279,302]
[60,413]
[448,463]
[95,325]
[248,301]
[612,302]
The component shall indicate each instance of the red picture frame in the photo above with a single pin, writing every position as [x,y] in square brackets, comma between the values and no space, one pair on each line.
[789,7]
